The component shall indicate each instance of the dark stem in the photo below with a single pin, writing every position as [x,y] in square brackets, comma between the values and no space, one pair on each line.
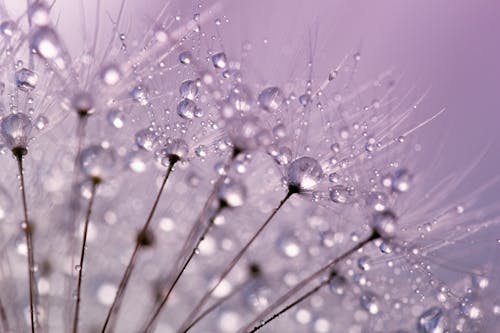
[329,266]
[115,306]
[26,226]
[164,300]
[291,305]
[235,260]
[3,318]
[95,183]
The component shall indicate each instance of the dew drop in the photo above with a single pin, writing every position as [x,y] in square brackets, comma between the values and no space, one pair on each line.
[97,162]
[15,130]
[304,173]
[428,321]
[185,57]
[219,60]
[186,109]
[369,302]
[271,98]
[233,193]
[26,79]
[115,118]
[145,139]
[188,89]
[110,74]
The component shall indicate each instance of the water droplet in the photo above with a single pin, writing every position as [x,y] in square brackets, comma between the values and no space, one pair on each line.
[240,98]
[145,139]
[339,194]
[428,321]
[289,245]
[369,302]
[338,284]
[110,74]
[243,132]
[97,162]
[106,293]
[364,263]
[136,161]
[140,95]
[41,122]
[284,156]
[233,193]
[385,223]
[185,57]
[186,109]
[304,173]
[39,14]
[15,129]
[7,28]
[176,147]
[115,118]
[271,98]
[377,201]
[26,79]
[188,89]
[45,42]
[219,60]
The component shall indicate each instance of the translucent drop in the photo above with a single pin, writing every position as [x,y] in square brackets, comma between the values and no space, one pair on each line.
[110,74]
[46,44]
[428,321]
[338,284]
[106,294]
[369,302]
[219,60]
[364,263]
[284,156]
[26,79]
[240,98]
[176,147]
[97,162]
[185,57]
[16,129]
[136,161]
[39,14]
[233,193]
[243,132]
[385,223]
[271,98]
[140,95]
[304,173]
[400,181]
[289,245]
[7,28]
[188,89]
[115,118]
[377,201]
[186,109]
[339,194]
[145,139]
[41,122]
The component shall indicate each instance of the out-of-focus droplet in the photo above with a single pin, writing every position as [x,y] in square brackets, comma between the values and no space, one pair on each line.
[145,139]
[97,162]
[233,193]
[219,60]
[115,118]
[428,321]
[110,74]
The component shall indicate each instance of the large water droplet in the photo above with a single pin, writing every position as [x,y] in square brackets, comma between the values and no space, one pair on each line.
[369,302]
[219,60]
[16,130]
[45,42]
[188,89]
[145,139]
[304,173]
[110,74]
[97,162]
[385,223]
[26,79]
[428,321]
[186,109]
[233,193]
[271,98]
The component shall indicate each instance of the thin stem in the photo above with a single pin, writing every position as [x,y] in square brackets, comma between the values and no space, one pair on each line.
[164,300]
[329,266]
[95,183]
[19,153]
[3,318]
[115,306]
[233,262]
[291,305]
